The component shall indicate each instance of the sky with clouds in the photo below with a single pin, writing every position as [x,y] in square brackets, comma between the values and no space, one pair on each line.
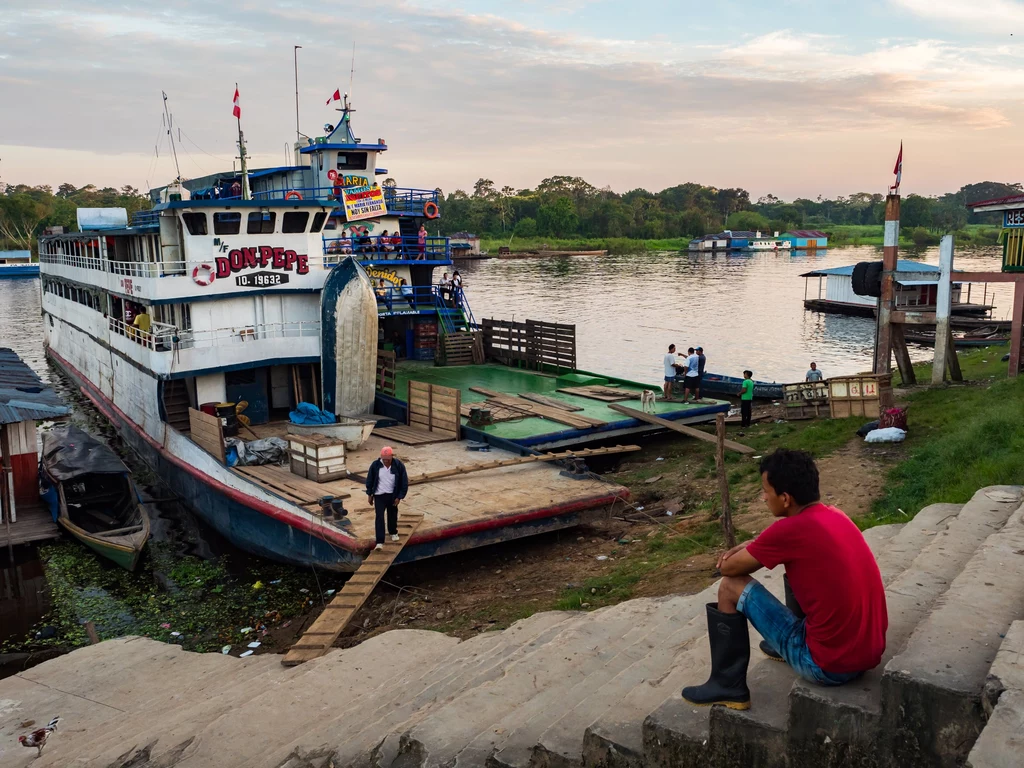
[790,97]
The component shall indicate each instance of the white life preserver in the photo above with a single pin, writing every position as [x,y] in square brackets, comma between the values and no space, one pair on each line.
[203,274]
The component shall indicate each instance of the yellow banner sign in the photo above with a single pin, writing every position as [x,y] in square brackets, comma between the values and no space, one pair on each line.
[364,203]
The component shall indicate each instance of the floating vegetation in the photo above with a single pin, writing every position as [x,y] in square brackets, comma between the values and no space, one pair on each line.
[199,604]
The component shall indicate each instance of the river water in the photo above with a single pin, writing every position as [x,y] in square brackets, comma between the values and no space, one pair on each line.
[746,311]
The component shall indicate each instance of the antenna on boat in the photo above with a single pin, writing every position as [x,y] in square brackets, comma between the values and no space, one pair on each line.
[352,70]
[170,135]
[298,135]
[241,150]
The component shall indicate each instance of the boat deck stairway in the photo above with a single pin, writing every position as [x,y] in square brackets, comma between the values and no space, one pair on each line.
[320,637]
[176,404]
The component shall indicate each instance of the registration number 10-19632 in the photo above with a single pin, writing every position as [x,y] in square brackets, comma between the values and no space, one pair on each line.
[261,279]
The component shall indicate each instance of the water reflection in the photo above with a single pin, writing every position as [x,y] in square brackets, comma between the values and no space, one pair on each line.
[745,310]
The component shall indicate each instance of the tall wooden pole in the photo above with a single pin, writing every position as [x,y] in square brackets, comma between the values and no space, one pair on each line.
[723,482]
[890,255]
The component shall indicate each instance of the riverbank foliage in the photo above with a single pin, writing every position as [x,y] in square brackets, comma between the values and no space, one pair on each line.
[569,210]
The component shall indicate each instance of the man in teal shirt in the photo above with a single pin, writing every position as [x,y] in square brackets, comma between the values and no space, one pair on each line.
[746,397]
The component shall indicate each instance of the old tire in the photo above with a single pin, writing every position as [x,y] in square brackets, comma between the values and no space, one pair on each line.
[867,278]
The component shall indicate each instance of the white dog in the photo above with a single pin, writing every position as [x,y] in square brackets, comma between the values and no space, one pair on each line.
[647,401]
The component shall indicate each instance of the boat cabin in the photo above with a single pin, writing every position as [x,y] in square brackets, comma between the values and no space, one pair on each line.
[805,238]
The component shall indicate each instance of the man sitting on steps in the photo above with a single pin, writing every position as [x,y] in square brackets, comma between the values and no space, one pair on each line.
[833,576]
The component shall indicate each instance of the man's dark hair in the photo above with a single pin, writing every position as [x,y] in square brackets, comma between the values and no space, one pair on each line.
[792,472]
[749,373]
[689,351]
[671,347]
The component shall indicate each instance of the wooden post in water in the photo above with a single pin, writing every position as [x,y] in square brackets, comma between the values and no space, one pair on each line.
[945,348]
[889,337]
[723,482]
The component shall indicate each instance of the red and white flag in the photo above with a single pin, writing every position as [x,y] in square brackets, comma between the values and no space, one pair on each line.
[237,110]
[898,169]
[335,97]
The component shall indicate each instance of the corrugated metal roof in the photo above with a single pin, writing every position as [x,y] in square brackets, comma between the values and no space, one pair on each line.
[1011,200]
[23,396]
[804,233]
[903,265]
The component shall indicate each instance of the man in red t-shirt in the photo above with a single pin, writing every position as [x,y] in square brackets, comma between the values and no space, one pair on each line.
[840,631]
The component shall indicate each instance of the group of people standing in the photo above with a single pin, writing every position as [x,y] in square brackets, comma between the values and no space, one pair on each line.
[387,244]
[691,369]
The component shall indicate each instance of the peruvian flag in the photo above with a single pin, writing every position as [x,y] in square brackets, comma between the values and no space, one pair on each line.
[237,110]
[898,170]
[335,97]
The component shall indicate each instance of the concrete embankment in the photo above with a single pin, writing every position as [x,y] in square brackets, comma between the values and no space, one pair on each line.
[574,689]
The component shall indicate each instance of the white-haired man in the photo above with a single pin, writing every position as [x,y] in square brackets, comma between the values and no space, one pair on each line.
[387,482]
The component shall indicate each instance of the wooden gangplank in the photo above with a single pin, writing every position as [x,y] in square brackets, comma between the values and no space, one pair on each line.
[320,637]
[690,431]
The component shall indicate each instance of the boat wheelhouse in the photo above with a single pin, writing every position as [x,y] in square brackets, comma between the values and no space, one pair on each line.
[835,293]
[246,294]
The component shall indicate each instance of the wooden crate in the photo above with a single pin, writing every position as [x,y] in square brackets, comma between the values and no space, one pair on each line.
[207,432]
[806,399]
[317,457]
[861,395]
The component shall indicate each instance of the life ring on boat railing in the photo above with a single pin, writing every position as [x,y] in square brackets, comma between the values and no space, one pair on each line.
[203,274]
[292,194]
[430,210]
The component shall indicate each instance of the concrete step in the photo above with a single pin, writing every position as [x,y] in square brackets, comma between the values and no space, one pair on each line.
[233,726]
[357,732]
[681,734]
[468,729]
[569,714]
[1001,744]
[830,725]
[932,689]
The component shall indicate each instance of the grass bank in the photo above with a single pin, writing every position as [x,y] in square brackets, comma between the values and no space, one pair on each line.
[872,234]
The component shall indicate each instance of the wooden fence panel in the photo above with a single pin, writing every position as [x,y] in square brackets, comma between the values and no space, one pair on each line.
[535,343]
[386,372]
[435,409]
[207,432]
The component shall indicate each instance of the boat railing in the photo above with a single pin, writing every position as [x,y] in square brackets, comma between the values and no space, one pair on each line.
[154,268]
[146,219]
[380,248]
[162,337]
[398,199]
[401,298]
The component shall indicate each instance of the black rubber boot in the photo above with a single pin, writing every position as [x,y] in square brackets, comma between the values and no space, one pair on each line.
[793,606]
[730,654]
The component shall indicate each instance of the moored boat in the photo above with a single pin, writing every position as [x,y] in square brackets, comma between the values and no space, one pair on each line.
[92,495]
[17,264]
[717,384]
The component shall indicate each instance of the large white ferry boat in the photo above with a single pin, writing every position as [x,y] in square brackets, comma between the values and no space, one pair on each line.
[254,287]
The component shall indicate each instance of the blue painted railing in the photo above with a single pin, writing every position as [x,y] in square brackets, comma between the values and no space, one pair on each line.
[379,248]
[452,309]
[146,219]
[399,200]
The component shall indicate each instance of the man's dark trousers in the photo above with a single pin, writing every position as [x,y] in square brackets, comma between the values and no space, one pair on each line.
[745,408]
[382,502]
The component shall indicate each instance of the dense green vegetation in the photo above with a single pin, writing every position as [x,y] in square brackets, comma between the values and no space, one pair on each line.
[565,209]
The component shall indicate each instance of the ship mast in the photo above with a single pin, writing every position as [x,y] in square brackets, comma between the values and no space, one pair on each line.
[170,136]
[241,156]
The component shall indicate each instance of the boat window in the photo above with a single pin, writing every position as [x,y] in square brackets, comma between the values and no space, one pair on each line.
[195,223]
[355,161]
[227,223]
[332,224]
[261,223]
[318,221]
[294,221]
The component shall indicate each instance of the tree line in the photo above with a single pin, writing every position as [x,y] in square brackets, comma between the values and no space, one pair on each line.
[565,207]
[568,206]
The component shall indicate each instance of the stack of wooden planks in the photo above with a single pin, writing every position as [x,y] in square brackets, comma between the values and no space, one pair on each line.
[605,394]
[318,639]
[533,408]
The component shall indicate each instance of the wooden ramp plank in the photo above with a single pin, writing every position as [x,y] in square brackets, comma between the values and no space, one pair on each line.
[551,402]
[689,431]
[604,394]
[320,637]
[412,435]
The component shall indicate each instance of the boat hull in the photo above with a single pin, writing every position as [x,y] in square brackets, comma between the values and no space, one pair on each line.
[126,557]
[717,384]
[19,270]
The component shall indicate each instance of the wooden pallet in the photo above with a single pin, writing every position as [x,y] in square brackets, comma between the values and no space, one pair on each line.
[320,637]
[498,412]
[604,394]
[403,433]
[574,420]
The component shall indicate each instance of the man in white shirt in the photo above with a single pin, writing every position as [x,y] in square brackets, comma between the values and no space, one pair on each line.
[387,482]
[671,369]
[692,378]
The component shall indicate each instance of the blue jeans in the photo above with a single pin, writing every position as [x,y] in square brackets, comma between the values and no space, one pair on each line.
[784,632]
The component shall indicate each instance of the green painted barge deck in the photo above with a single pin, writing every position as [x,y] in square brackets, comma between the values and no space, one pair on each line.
[537,432]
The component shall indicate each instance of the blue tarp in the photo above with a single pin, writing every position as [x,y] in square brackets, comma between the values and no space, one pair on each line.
[307,413]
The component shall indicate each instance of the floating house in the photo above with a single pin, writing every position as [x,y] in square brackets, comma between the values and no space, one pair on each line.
[17,264]
[24,399]
[808,239]
[464,245]
[835,292]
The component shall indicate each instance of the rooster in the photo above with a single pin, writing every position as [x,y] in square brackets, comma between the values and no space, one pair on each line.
[39,736]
